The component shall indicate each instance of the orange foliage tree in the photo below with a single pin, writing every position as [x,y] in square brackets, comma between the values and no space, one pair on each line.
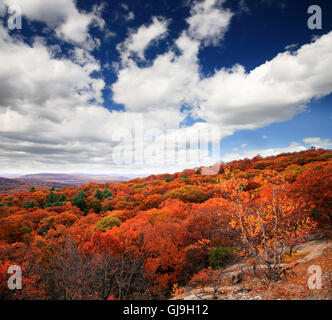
[269,225]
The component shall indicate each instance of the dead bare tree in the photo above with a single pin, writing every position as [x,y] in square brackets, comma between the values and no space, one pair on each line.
[72,275]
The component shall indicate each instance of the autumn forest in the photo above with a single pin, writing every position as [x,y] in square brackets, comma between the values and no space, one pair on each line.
[155,237]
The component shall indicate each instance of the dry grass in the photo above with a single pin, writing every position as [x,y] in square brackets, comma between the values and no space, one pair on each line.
[295,284]
[294,257]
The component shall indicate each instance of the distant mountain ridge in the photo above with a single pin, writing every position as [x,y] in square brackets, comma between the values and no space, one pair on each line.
[71,179]
[9,185]
[56,180]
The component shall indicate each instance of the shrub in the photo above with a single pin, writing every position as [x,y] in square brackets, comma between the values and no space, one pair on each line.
[218,256]
[79,201]
[107,194]
[98,194]
[30,204]
[45,225]
[52,200]
[95,205]
[188,193]
[107,222]
[66,219]
[25,229]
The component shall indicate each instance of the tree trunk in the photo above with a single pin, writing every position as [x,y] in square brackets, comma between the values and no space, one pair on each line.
[273,273]
[330,216]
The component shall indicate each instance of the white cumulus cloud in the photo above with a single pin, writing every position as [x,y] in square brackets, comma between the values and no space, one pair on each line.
[318,142]
[69,23]
[137,42]
[209,21]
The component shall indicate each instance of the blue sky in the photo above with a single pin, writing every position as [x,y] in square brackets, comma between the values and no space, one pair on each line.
[80,76]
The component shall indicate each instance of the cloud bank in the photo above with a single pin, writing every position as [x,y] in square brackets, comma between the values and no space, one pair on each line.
[51,108]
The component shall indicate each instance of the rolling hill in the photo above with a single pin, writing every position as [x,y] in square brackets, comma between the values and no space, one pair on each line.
[49,180]
[71,179]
